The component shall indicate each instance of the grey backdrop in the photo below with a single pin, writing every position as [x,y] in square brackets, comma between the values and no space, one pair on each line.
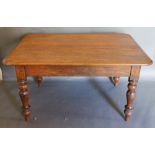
[145,37]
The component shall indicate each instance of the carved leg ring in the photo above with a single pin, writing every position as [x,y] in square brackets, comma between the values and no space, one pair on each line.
[131,94]
[116,81]
[23,92]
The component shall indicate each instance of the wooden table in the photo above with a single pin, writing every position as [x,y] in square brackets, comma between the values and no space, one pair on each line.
[110,54]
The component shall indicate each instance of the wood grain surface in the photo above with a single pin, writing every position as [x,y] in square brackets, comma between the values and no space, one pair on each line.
[77,50]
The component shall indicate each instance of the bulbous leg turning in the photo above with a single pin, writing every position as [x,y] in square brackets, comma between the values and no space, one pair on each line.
[131,94]
[38,80]
[116,81]
[23,90]
[23,93]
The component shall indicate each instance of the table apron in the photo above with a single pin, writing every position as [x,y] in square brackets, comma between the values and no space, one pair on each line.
[77,70]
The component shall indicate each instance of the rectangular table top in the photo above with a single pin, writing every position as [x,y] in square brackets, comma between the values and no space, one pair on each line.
[77,50]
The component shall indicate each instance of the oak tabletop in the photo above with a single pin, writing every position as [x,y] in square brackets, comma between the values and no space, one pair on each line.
[77,50]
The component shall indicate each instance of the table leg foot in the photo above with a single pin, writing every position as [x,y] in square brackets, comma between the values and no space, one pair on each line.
[38,80]
[116,81]
[131,94]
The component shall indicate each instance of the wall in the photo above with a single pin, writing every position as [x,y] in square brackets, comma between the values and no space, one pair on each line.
[145,37]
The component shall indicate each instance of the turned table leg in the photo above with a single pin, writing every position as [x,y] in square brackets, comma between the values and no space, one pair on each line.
[131,92]
[38,80]
[116,81]
[23,91]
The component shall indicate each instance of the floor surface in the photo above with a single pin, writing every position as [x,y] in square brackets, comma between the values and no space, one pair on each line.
[77,103]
